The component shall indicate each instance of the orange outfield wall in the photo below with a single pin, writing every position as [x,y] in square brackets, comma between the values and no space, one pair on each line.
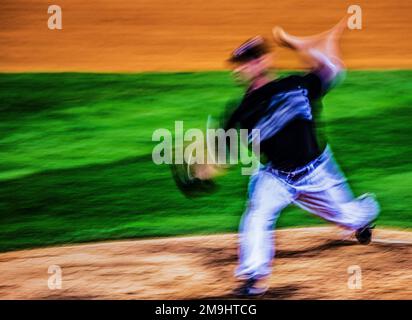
[159,35]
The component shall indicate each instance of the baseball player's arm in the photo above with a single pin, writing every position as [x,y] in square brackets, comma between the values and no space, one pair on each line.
[230,120]
[320,51]
[325,67]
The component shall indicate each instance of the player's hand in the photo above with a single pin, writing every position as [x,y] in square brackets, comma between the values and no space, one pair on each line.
[280,38]
[207,171]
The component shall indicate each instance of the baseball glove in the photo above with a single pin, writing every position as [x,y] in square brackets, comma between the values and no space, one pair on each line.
[188,183]
[195,179]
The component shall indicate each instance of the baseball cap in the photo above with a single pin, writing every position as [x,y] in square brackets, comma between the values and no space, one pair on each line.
[251,49]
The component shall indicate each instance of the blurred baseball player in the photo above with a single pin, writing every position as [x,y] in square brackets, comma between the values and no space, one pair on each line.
[300,168]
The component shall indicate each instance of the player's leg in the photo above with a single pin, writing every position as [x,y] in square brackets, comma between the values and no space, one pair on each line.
[267,197]
[326,193]
[338,205]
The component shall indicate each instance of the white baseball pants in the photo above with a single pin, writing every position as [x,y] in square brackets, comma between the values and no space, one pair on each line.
[323,191]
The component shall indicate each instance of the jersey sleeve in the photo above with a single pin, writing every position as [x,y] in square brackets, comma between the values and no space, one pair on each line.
[313,83]
[231,116]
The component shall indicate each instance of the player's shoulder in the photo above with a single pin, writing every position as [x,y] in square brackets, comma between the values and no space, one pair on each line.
[309,79]
[276,85]
[286,83]
[291,78]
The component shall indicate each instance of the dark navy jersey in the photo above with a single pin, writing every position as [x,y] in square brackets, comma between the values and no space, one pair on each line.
[284,111]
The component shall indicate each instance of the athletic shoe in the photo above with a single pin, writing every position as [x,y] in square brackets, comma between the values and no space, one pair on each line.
[250,289]
[364,235]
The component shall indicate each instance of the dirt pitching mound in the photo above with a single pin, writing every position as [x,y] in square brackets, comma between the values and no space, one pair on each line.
[311,263]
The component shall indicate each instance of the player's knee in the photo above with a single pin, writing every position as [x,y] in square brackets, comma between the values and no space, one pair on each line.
[261,216]
[359,212]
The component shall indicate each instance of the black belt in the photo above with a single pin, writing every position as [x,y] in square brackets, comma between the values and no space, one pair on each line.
[296,175]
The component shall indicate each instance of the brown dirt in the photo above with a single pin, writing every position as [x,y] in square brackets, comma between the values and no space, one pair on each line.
[311,263]
[129,35]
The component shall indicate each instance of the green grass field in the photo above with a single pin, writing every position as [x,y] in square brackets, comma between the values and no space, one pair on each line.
[76,149]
